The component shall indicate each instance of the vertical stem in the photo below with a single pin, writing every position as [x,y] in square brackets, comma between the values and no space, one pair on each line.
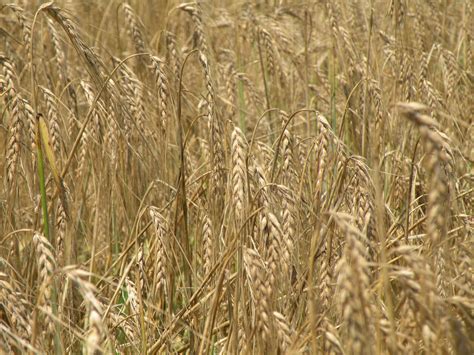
[332,79]
[365,131]
[306,33]
[265,83]
[240,86]
[44,211]
[42,183]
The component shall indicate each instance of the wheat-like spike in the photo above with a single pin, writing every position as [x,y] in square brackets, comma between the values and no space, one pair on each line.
[451,71]
[111,138]
[333,15]
[97,330]
[419,29]
[269,49]
[469,52]
[399,181]
[7,78]
[287,150]
[25,24]
[376,95]
[261,291]
[277,253]
[325,284]
[261,184]
[301,150]
[59,54]
[173,55]
[255,96]
[14,103]
[96,129]
[138,107]
[322,150]
[229,74]
[163,91]
[14,304]
[363,201]
[14,143]
[355,68]
[395,13]
[194,10]
[394,344]
[46,268]
[332,341]
[288,228]
[31,120]
[87,55]
[53,120]
[87,289]
[215,129]
[83,153]
[119,319]
[358,198]
[434,98]
[262,192]
[95,333]
[285,333]
[357,14]
[132,297]
[161,228]
[465,273]
[61,220]
[243,345]
[141,265]
[419,286]
[406,78]
[423,72]
[128,96]
[134,29]
[207,244]
[88,133]
[46,265]
[438,197]
[353,281]
[239,176]
[267,154]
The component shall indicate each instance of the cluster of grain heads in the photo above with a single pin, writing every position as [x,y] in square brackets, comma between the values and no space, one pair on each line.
[95,329]
[15,312]
[225,178]
[438,160]
[354,288]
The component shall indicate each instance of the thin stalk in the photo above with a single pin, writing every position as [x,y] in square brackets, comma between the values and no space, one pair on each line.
[44,210]
[307,35]
[332,76]
[265,83]
[42,183]
[365,131]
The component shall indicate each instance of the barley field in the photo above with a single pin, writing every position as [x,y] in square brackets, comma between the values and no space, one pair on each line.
[237,177]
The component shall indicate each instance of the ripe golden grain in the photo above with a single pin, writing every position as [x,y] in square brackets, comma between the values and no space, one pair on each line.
[268,177]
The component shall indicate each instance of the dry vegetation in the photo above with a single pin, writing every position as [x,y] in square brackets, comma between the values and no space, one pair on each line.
[231,177]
